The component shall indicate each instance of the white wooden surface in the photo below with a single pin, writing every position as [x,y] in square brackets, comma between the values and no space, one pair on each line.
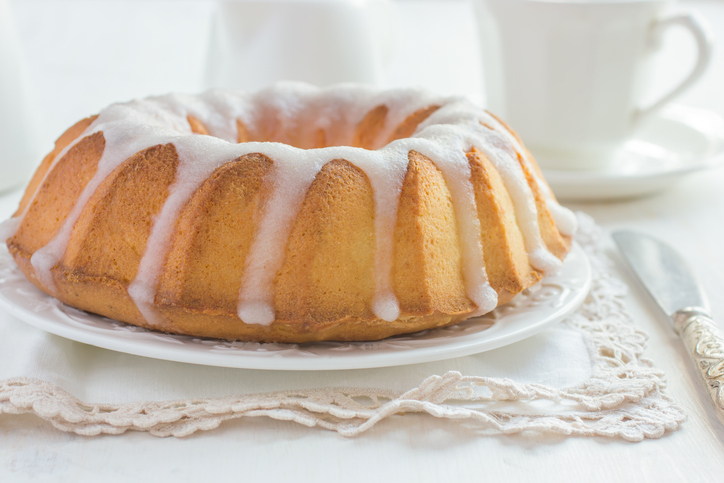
[413,448]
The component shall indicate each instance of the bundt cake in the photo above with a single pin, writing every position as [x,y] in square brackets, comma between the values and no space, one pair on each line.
[290,215]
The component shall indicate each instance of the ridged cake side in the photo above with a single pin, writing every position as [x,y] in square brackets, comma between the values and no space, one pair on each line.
[330,269]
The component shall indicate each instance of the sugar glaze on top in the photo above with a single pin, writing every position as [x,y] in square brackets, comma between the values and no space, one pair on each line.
[294,113]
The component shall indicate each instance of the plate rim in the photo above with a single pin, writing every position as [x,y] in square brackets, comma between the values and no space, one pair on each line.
[163,350]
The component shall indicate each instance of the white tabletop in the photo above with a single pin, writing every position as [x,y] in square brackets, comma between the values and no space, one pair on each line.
[73,77]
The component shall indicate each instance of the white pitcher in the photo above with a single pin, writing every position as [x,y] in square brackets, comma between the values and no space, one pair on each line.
[19,153]
[256,43]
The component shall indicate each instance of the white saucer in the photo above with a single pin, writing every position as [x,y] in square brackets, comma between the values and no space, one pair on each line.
[533,310]
[675,142]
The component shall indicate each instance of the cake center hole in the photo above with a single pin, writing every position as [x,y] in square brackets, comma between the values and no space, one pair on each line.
[312,130]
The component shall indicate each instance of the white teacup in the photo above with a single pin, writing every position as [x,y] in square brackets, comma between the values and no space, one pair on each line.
[256,43]
[570,76]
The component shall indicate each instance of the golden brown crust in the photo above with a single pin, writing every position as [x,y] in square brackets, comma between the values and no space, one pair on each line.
[64,140]
[326,285]
[557,243]
[57,195]
[407,128]
[428,262]
[213,236]
[506,259]
[328,270]
[122,210]
[197,127]
[369,128]
[201,324]
[242,132]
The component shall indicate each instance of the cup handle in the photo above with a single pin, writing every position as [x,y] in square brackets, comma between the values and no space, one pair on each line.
[695,23]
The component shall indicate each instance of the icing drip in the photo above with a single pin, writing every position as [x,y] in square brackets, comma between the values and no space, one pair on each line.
[564,218]
[125,133]
[497,146]
[505,161]
[291,178]
[9,227]
[289,115]
[198,158]
[385,170]
[453,163]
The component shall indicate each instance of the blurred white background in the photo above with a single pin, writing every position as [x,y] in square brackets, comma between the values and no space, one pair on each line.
[83,55]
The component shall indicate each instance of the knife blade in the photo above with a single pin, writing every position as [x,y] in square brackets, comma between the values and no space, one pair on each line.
[672,284]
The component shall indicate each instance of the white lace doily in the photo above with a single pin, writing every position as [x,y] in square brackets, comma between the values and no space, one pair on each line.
[623,397]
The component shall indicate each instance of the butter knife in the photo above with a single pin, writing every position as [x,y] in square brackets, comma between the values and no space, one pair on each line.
[673,286]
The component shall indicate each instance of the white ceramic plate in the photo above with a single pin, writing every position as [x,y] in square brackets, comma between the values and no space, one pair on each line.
[675,142]
[530,312]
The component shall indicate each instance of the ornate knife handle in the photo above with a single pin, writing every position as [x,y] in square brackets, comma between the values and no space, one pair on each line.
[705,344]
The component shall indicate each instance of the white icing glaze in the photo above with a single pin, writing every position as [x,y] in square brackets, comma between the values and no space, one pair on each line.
[455,167]
[564,219]
[292,114]
[291,177]
[9,227]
